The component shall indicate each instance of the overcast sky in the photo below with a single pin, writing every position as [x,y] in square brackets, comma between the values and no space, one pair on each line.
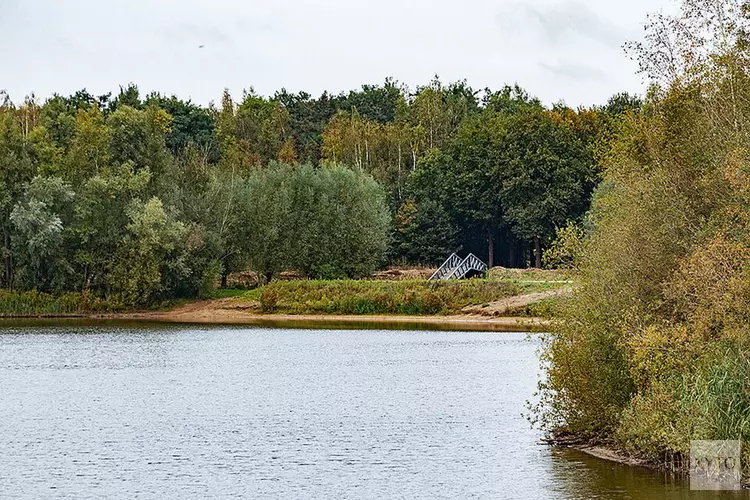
[557,49]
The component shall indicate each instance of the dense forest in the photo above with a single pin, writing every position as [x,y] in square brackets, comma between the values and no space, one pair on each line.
[653,349]
[139,198]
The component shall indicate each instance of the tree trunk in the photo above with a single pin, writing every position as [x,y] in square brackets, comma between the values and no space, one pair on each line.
[224,273]
[399,170]
[8,271]
[538,252]
[490,248]
[511,254]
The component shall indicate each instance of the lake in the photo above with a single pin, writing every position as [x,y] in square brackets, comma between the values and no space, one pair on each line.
[160,411]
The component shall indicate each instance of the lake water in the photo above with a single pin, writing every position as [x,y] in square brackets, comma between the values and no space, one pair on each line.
[199,412]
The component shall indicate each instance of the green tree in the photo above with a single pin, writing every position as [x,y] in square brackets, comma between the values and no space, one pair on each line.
[152,250]
[16,169]
[424,233]
[101,220]
[342,230]
[89,148]
[139,136]
[191,126]
[546,176]
[38,221]
[269,214]
[331,222]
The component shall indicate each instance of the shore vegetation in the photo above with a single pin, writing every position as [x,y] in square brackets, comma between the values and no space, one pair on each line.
[653,349]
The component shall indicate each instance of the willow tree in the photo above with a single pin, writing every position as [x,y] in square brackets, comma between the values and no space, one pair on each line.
[331,222]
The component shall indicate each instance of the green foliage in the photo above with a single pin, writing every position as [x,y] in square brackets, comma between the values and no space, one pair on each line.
[269,218]
[652,350]
[138,200]
[151,250]
[42,304]
[425,233]
[324,223]
[567,249]
[547,174]
[511,173]
[192,126]
[139,137]
[37,221]
[380,297]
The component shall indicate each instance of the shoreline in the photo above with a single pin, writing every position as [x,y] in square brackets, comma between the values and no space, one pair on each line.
[603,452]
[507,313]
[228,311]
[196,314]
[613,455]
[238,318]
[232,317]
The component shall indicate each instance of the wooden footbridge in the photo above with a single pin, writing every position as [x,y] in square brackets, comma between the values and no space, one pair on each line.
[457,268]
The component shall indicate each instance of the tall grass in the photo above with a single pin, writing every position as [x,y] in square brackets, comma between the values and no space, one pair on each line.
[719,393]
[33,303]
[379,297]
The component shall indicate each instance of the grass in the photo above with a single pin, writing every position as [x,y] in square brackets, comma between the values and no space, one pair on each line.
[361,297]
[33,303]
[533,280]
[377,297]
[227,293]
[545,308]
[396,297]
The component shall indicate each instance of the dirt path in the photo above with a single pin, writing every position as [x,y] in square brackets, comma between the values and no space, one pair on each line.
[512,304]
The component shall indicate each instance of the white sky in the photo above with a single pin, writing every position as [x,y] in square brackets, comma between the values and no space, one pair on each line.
[557,49]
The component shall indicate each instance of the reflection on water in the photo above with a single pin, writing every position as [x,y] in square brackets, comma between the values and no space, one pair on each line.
[324,323]
[578,475]
[197,412]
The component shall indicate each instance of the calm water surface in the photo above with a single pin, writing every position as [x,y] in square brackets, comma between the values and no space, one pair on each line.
[198,412]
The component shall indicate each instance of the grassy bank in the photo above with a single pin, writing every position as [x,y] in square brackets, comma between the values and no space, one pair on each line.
[533,280]
[33,303]
[379,297]
[408,297]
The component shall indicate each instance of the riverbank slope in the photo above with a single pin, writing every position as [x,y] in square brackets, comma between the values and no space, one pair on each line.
[230,311]
[505,300]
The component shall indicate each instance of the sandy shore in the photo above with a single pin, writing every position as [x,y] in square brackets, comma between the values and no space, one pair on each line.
[212,312]
[229,311]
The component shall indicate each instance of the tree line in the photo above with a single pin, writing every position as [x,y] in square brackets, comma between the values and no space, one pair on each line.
[143,198]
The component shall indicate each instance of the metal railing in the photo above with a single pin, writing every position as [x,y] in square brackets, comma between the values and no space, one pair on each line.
[447,268]
[455,268]
[470,263]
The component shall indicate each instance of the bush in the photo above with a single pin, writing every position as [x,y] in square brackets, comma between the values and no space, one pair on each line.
[269,300]
[567,248]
